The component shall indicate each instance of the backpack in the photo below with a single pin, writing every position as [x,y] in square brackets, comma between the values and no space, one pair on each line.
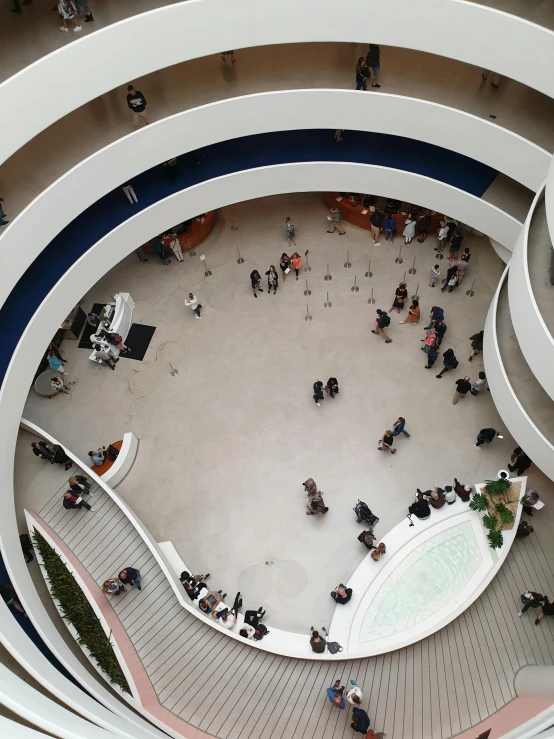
[334,647]
[385,320]
[112,453]
[438,313]
[455,363]
[261,631]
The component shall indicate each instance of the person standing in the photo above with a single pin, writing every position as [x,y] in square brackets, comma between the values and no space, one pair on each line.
[400,296]
[409,229]
[479,384]
[9,596]
[455,244]
[83,9]
[361,81]
[175,247]
[332,386]
[476,344]
[442,236]
[376,220]
[315,504]
[52,347]
[255,280]
[159,250]
[3,220]
[335,218]
[272,280]
[389,226]
[360,723]
[42,450]
[449,362]
[67,11]
[386,442]
[318,642]
[310,485]
[437,314]
[318,392]
[463,387]
[486,436]
[440,330]
[93,321]
[381,323]
[429,340]
[432,355]
[102,355]
[192,303]
[423,226]
[398,427]
[296,261]
[290,231]
[137,103]
[450,281]
[373,62]
[434,275]
[520,461]
[130,576]
[55,363]
[461,267]
[284,263]
[413,314]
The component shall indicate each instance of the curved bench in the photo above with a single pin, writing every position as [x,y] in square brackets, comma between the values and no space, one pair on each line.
[114,472]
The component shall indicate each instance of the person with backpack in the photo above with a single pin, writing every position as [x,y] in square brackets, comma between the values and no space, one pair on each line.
[429,340]
[335,694]
[382,322]
[449,362]
[437,314]
[476,345]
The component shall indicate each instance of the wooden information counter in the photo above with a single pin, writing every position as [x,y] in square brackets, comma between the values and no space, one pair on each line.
[359,215]
[190,236]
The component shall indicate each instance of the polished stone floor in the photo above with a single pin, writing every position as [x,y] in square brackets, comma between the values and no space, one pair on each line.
[226,443]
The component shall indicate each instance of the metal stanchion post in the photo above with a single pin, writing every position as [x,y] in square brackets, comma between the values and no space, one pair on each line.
[327,276]
[470,293]
[240,260]
[412,269]
[416,294]
[348,263]
[327,303]
[371,300]
[399,259]
[307,291]
[369,273]
[354,287]
[307,317]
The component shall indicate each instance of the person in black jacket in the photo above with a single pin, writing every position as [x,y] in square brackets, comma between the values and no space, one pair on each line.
[341,594]
[449,361]
[41,449]
[318,392]
[520,461]
[476,344]
[332,386]
[422,227]
[381,323]
[360,720]
[373,62]
[69,502]
[137,103]
[420,508]
[440,330]
[255,280]
[485,436]
[376,221]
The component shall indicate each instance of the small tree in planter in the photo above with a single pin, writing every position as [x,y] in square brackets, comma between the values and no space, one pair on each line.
[498,500]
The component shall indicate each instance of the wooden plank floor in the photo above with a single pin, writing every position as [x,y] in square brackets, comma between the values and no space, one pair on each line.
[431,690]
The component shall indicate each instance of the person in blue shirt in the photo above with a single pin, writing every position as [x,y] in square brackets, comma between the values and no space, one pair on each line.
[335,695]
[360,720]
[56,363]
[398,427]
[389,226]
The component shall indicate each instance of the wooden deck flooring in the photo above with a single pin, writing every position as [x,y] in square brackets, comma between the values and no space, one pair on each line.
[431,690]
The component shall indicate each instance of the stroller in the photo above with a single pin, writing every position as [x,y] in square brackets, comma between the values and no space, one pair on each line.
[364,515]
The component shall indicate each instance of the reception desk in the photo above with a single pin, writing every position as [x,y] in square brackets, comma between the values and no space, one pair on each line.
[190,236]
[116,318]
[360,216]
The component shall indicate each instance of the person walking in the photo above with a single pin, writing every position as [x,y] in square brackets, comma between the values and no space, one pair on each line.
[102,355]
[389,226]
[129,191]
[479,384]
[56,363]
[530,599]
[409,229]
[376,220]
[310,485]
[255,280]
[332,386]
[381,323]
[193,304]
[524,530]
[398,427]
[486,436]
[67,10]
[414,314]
[335,694]
[335,218]
[451,279]
[361,81]
[434,275]
[9,596]
[296,261]
[463,387]
[284,263]
[80,484]
[71,501]
[373,62]
[386,442]
[272,280]
[437,314]
[318,392]
[131,577]
[449,362]
[423,226]
[175,247]
[520,461]
[318,642]
[476,344]
[440,330]
[289,231]
[429,340]
[137,103]
[432,355]
[461,267]
[400,296]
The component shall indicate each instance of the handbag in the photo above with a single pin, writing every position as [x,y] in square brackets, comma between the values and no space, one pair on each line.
[334,647]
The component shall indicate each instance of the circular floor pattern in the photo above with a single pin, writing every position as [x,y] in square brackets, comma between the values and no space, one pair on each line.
[143,383]
[289,578]
[255,582]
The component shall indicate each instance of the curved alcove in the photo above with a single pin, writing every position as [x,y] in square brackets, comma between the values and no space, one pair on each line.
[391,115]
[97,58]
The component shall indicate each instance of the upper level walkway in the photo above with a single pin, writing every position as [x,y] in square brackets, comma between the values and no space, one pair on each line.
[27,37]
[434,689]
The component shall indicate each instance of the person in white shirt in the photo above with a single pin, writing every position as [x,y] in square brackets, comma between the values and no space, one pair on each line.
[192,303]
[354,695]
[442,236]
[102,355]
[247,631]
[449,495]
[175,247]
[479,384]
[58,385]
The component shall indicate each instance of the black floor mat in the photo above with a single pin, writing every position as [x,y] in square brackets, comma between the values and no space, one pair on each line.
[84,343]
[138,339]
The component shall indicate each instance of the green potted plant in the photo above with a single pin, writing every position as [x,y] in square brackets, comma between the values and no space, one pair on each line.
[495,539]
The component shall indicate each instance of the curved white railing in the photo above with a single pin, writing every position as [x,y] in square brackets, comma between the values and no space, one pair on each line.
[102,172]
[513,414]
[534,338]
[549,199]
[219,24]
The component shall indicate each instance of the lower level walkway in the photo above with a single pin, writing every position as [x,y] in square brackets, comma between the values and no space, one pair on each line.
[432,690]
